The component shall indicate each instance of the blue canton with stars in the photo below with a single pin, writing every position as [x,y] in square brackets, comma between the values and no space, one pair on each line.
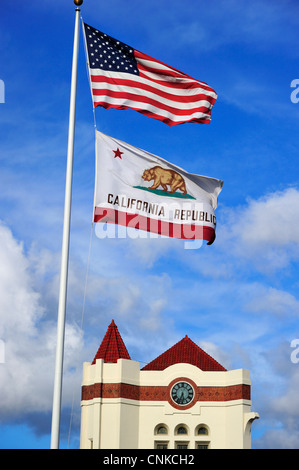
[107,53]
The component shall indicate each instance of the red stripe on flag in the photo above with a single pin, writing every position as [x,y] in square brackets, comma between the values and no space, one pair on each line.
[141,222]
[145,99]
[142,86]
[152,63]
[142,56]
[166,120]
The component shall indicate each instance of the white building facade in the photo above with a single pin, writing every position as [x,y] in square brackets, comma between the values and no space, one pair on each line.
[183,399]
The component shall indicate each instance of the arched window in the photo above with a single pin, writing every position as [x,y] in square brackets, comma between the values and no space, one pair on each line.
[181,429]
[202,430]
[161,429]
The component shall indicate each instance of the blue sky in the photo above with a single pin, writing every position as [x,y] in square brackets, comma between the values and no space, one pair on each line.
[238,299]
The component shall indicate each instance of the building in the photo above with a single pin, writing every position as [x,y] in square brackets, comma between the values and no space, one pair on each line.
[182,399]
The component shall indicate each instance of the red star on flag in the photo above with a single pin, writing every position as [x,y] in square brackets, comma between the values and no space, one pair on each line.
[117,153]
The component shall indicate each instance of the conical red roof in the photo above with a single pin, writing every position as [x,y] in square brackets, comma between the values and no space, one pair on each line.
[112,346]
[185,351]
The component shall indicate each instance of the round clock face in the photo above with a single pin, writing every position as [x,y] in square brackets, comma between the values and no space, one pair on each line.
[182,393]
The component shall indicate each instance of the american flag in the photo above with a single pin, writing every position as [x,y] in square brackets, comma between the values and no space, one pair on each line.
[122,77]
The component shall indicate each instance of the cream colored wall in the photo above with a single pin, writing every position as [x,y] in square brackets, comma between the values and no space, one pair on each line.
[223,420]
[122,423]
[113,424]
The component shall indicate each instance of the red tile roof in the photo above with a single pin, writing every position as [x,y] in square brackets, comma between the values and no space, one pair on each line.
[185,351]
[112,346]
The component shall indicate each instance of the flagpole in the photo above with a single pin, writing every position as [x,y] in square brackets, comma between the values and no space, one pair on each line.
[56,410]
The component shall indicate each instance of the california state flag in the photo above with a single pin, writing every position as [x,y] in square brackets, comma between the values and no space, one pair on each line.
[136,189]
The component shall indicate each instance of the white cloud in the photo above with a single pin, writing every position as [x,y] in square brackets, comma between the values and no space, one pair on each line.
[265,232]
[285,438]
[274,301]
[26,376]
[272,219]
[280,406]
[19,303]
[287,405]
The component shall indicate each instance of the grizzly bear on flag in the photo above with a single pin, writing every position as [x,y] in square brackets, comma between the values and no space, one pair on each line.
[165,177]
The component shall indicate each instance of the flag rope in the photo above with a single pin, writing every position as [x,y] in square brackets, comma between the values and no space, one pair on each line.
[81,329]
[87,72]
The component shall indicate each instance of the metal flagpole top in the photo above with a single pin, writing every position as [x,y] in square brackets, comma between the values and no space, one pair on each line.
[78,2]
